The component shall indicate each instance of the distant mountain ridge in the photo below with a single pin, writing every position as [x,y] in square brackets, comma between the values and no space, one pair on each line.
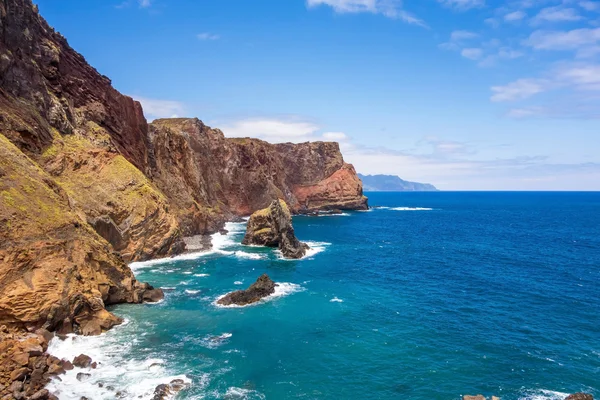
[393,183]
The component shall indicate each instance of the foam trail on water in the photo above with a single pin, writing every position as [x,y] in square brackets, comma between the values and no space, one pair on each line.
[542,394]
[411,209]
[249,256]
[336,300]
[281,290]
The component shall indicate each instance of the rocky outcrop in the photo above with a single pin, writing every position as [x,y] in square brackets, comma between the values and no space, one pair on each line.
[260,289]
[580,396]
[209,178]
[25,368]
[272,227]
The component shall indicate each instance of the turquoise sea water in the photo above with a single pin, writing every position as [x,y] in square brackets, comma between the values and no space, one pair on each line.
[432,296]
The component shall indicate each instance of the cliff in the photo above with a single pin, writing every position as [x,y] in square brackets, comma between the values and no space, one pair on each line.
[393,183]
[86,185]
[208,177]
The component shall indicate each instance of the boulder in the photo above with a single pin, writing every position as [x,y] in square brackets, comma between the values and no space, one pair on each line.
[82,361]
[260,289]
[580,396]
[272,227]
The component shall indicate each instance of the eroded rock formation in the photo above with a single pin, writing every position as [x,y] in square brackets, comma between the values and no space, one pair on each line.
[263,287]
[208,177]
[272,227]
[86,185]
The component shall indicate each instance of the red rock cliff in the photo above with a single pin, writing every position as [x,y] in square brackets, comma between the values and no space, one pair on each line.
[208,177]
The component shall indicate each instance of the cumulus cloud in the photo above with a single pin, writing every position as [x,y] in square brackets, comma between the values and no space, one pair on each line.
[389,8]
[556,14]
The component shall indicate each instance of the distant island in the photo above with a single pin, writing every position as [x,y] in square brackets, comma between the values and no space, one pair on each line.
[393,183]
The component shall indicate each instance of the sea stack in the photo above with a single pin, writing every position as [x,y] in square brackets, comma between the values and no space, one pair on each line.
[260,289]
[272,227]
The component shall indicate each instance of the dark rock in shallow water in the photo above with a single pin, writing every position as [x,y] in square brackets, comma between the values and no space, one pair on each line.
[580,396]
[165,391]
[82,361]
[260,289]
[272,227]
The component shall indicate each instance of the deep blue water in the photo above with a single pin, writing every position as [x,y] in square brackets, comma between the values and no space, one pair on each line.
[493,293]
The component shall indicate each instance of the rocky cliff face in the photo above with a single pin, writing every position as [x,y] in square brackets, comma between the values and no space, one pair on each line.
[208,177]
[88,137]
[87,185]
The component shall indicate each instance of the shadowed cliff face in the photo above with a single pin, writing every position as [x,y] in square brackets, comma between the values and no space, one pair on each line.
[208,177]
[69,119]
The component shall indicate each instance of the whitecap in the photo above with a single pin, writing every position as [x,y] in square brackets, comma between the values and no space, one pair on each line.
[542,394]
[314,249]
[168,288]
[411,209]
[336,300]
[201,275]
[188,273]
[192,291]
[241,393]
[133,378]
[238,283]
[331,215]
[249,256]
[281,290]
[214,341]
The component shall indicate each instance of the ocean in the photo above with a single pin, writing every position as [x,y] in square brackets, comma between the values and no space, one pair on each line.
[425,296]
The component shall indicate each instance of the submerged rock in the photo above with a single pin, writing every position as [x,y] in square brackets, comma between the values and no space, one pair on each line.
[260,289]
[272,227]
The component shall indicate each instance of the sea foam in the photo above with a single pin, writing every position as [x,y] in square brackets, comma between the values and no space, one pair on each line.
[133,378]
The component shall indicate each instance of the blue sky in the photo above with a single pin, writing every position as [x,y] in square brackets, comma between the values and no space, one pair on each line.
[464,94]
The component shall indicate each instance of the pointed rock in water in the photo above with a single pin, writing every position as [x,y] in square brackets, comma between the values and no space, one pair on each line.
[260,289]
[272,227]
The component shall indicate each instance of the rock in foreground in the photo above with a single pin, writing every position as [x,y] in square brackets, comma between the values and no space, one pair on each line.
[260,289]
[580,396]
[272,227]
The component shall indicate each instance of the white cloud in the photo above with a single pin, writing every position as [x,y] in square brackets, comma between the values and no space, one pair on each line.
[580,76]
[144,3]
[463,5]
[556,14]
[590,5]
[389,8]
[462,35]
[207,36]
[518,90]
[335,136]
[472,53]
[515,16]
[154,108]
[563,40]
[280,130]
